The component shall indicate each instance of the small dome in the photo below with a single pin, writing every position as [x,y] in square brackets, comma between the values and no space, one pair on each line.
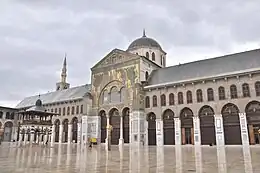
[38,102]
[144,42]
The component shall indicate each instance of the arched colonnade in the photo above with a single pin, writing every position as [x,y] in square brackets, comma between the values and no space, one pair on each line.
[202,128]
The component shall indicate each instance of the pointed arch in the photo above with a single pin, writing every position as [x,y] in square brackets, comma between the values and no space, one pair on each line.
[153,56]
[168,127]
[151,118]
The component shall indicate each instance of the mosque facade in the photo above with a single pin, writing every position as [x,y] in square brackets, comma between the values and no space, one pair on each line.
[208,102]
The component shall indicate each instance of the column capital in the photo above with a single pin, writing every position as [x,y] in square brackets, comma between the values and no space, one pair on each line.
[217,115]
[242,114]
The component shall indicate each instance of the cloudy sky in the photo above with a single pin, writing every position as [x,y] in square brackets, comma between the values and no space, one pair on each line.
[35,34]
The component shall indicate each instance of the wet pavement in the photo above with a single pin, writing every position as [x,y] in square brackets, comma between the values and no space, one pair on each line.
[169,159]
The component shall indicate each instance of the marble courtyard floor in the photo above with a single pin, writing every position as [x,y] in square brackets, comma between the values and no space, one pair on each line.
[73,159]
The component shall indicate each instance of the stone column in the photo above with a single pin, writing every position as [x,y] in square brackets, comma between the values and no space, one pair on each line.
[20,138]
[137,129]
[69,133]
[108,123]
[121,139]
[243,129]
[159,132]
[25,138]
[79,133]
[84,131]
[220,140]
[60,133]
[52,135]
[177,127]
[197,135]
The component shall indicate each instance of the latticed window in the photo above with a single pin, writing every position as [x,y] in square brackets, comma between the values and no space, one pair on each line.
[171,99]
[153,56]
[210,94]
[154,101]
[163,100]
[233,91]
[72,110]
[77,110]
[147,102]
[189,97]
[257,88]
[245,90]
[81,109]
[199,96]
[64,111]
[221,93]
[68,111]
[180,98]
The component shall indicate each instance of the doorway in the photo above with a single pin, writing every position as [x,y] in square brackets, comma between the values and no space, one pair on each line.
[188,135]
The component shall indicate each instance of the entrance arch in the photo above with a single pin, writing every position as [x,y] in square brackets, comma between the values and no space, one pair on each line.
[151,118]
[207,125]
[187,130]
[115,123]
[57,130]
[125,115]
[253,121]
[8,131]
[168,127]
[65,124]
[103,120]
[74,123]
[231,124]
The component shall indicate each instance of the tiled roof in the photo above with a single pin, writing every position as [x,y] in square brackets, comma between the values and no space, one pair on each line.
[233,63]
[57,96]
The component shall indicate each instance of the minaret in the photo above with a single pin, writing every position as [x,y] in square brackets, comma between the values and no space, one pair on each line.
[63,84]
[64,70]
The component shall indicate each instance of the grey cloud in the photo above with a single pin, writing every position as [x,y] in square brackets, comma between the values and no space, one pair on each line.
[34,35]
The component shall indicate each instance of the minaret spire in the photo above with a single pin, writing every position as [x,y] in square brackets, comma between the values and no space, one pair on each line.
[63,83]
[144,33]
[64,70]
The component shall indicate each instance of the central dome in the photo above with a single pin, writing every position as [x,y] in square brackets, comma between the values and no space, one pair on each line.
[144,42]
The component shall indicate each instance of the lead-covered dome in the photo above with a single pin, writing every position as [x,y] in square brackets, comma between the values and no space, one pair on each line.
[144,42]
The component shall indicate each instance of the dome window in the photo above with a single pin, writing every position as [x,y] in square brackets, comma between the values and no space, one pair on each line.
[147,55]
[153,56]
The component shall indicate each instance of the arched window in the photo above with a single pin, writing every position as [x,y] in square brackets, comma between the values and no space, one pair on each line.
[114,95]
[180,98]
[147,102]
[105,97]
[122,94]
[210,94]
[154,101]
[189,97]
[199,96]
[77,110]
[1,114]
[146,75]
[12,116]
[60,111]
[221,93]
[257,88]
[64,111]
[136,53]
[7,115]
[171,99]
[51,109]
[81,109]
[233,91]
[245,90]
[163,100]
[153,56]
[55,110]
[72,110]
[68,110]
[147,55]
